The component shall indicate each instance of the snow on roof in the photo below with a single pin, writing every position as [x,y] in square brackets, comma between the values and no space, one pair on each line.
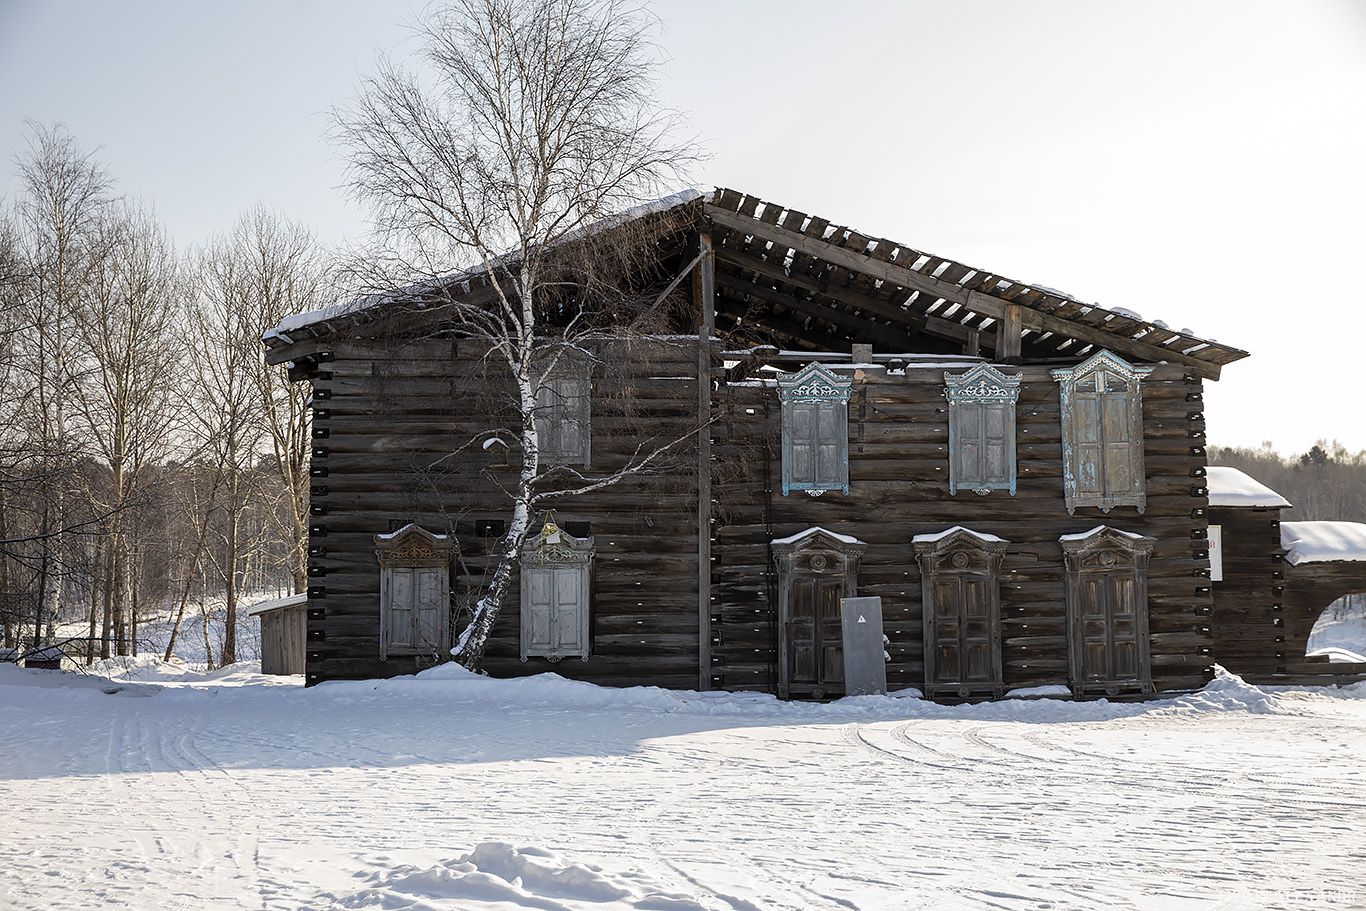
[394,534]
[276,604]
[1231,487]
[1323,542]
[793,539]
[333,311]
[940,535]
[1083,535]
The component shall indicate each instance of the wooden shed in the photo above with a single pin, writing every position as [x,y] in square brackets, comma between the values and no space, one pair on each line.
[283,631]
[876,421]
[1272,581]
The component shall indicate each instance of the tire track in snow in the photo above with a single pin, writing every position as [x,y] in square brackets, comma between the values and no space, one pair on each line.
[854,735]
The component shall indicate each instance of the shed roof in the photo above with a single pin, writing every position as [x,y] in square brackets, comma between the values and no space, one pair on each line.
[1231,487]
[276,604]
[803,282]
[1323,542]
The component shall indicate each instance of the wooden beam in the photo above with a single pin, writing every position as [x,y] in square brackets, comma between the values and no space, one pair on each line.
[930,325]
[704,288]
[1010,335]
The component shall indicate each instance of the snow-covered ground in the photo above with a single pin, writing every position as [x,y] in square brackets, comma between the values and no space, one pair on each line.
[157,787]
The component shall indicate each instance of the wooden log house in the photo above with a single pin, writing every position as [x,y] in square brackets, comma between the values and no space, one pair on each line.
[1019,475]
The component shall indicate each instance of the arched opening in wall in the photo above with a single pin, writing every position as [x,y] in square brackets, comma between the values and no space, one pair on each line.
[1340,631]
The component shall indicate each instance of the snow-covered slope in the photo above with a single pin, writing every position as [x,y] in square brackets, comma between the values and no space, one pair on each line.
[451,791]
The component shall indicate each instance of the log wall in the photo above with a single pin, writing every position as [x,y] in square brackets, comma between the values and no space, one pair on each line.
[898,472]
[387,420]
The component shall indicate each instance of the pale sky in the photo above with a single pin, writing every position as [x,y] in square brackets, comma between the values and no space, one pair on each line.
[1213,153]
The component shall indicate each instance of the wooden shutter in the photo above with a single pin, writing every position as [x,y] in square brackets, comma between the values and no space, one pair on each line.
[1088,446]
[538,609]
[569,609]
[802,446]
[399,626]
[831,442]
[430,607]
[563,420]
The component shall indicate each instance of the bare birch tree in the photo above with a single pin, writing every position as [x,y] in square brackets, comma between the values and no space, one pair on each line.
[64,192]
[531,121]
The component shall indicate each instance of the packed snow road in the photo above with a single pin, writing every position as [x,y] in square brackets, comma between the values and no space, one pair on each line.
[233,790]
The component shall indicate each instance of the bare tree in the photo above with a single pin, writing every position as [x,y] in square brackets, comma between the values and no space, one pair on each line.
[125,394]
[223,402]
[64,191]
[280,269]
[532,121]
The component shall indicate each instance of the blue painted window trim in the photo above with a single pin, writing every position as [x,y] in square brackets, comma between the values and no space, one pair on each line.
[816,385]
[981,385]
[1072,462]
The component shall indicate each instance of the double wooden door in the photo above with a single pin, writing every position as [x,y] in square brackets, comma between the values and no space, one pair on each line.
[814,637]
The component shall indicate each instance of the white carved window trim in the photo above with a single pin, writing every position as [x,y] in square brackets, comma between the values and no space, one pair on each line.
[813,399]
[1090,454]
[409,560]
[982,392]
[568,559]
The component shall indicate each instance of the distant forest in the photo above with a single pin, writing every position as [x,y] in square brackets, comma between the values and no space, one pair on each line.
[1327,482]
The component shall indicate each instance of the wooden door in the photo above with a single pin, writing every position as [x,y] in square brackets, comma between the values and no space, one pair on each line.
[964,631]
[1109,627]
[815,637]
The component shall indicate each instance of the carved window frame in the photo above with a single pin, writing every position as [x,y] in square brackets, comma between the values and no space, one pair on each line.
[961,555]
[564,399]
[815,426]
[1107,555]
[404,555]
[1095,447]
[568,558]
[985,394]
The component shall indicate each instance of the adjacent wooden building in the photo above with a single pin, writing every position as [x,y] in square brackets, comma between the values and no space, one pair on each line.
[1020,476]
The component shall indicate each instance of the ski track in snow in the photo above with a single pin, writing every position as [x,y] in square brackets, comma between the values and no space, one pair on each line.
[246,795]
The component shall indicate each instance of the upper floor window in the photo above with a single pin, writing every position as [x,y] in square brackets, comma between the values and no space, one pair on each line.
[981,429]
[563,412]
[815,405]
[1102,433]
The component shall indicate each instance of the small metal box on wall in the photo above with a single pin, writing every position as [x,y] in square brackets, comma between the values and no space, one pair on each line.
[865,662]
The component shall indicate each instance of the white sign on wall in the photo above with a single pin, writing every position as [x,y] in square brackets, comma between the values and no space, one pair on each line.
[1216,553]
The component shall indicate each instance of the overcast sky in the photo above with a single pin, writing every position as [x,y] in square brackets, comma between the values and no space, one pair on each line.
[1203,163]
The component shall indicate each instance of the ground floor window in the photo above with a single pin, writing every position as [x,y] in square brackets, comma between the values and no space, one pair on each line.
[414,592]
[960,599]
[1107,611]
[816,568]
[556,582]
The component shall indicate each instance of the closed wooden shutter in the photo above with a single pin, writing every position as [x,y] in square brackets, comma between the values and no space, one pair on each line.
[832,440]
[538,609]
[562,420]
[402,591]
[802,444]
[568,610]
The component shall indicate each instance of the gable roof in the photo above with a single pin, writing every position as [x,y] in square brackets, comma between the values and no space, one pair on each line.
[783,276]
[820,275]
